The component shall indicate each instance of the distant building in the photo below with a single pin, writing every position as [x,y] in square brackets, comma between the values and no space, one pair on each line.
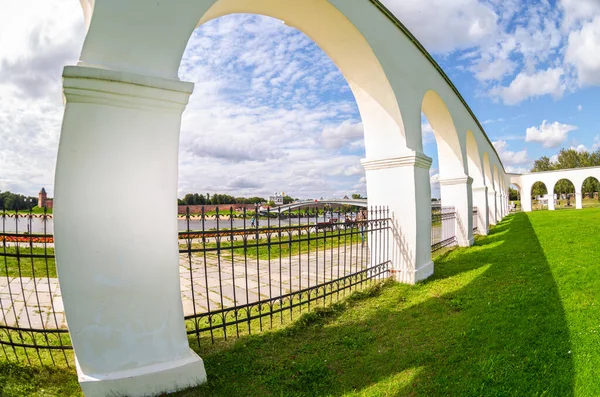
[43,200]
[277,198]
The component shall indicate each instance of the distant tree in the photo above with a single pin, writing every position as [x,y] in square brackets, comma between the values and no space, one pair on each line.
[287,200]
[271,203]
[564,186]
[356,196]
[513,194]
[568,158]
[590,185]
[571,158]
[542,164]
[13,201]
[539,189]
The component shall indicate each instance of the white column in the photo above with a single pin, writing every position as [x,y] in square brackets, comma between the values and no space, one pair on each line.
[402,184]
[492,206]
[551,201]
[480,200]
[118,267]
[578,198]
[525,199]
[497,204]
[457,193]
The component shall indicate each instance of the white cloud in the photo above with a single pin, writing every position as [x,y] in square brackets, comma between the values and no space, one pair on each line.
[444,26]
[546,82]
[268,113]
[488,68]
[580,148]
[490,121]
[510,157]
[426,131]
[576,11]
[596,144]
[516,170]
[579,107]
[550,135]
[583,52]
[36,41]
[434,181]
[345,134]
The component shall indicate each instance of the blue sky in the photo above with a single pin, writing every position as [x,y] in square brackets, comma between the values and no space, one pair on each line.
[271,112]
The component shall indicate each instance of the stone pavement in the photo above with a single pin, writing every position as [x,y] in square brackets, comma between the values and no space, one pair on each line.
[220,283]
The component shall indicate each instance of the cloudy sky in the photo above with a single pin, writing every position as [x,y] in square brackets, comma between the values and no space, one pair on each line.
[271,112]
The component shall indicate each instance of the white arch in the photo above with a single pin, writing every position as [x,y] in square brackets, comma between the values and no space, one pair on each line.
[450,151]
[125,90]
[576,175]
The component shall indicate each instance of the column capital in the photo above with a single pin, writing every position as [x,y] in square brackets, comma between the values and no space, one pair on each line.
[480,188]
[461,180]
[413,158]
[83,84]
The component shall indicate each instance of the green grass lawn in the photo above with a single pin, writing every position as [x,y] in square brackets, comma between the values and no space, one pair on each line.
[516,315]
[27,264]
[34,210]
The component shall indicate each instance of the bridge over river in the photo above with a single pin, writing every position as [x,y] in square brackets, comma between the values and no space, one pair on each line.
[322,203]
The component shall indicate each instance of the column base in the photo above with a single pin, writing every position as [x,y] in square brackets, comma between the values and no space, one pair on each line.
[412,277]
[151,380]
[468,243]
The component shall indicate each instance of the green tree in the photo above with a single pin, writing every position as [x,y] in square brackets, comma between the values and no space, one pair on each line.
[538,189]
[571,158]
[356,196]
[542,164]
[287,200]
[564,186]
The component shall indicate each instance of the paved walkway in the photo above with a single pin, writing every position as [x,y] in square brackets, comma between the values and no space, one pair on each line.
[222,282]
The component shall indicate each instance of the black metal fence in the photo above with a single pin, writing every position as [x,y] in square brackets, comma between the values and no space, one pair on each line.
[240,271]
[443,228]
[251,269]
[32,327]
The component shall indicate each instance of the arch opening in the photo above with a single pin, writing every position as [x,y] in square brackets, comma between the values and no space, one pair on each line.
[325,25]
[590,192]
[430,148]
[514,197]
[474,160]
[449,150]
[489,180]
[564,194]
[539,196]
[295,113]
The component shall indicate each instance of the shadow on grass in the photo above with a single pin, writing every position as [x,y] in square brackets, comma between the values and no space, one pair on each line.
[490,322]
